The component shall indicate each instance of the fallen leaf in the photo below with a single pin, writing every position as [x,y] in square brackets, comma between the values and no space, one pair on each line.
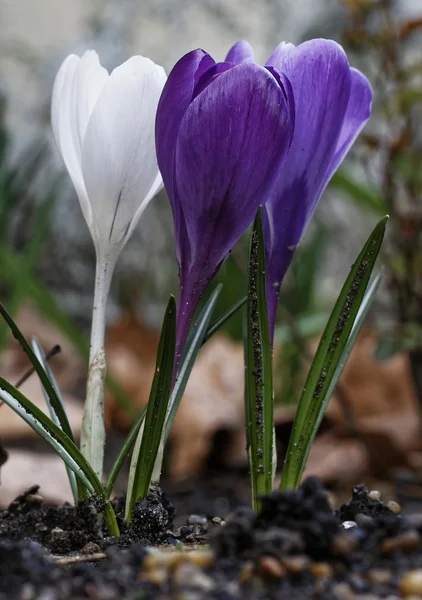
[25,468]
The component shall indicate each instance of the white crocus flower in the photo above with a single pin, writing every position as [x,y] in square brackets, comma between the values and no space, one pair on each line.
[104,129]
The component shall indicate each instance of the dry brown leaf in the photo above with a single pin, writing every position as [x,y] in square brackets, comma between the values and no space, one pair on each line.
[213,401]
[339,462]
[24,469]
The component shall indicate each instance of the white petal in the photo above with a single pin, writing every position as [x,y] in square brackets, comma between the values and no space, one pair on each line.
[118,154]
[88,82]
[155,188]
[65,134]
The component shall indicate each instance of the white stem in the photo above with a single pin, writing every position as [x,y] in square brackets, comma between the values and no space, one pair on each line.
[93,429]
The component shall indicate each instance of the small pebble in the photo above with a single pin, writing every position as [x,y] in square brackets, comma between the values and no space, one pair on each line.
[365,521]
[217,520]
[34,499]
[247,571]
[394,507]
[411,583]
[380,576]
[197,520]
[374,495]
[28,592]
[343,544]
[349,524]
[157,576]
[90,548]
[408,541]
[343,591]
[297,564]
[270,565]
[187,574]
[321,569]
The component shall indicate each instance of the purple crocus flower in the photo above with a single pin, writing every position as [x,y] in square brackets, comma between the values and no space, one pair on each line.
[222,132]
[332,104]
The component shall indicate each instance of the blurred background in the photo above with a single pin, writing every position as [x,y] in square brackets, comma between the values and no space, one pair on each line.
[373,425]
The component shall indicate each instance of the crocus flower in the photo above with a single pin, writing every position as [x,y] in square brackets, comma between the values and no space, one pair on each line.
[104,129]
[332,104]
[222,132]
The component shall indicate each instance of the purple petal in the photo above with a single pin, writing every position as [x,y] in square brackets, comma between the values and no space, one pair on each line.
[357,115]
[287,89]
[279,53]
[231,143]
[209,76]
[175,99]
[321,79]
[239,53]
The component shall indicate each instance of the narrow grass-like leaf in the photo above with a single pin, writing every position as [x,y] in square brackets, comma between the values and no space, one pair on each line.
[156,412]
[124,452]
[193,345]
[54,399]
[40,354]
[221,321]
[259,397]
[357,326]
[60,442]
[327,358]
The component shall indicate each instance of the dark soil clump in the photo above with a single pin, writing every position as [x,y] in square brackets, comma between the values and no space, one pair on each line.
[68,528]
[295,548]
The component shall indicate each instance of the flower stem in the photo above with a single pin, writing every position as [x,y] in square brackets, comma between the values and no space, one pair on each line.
[186,306]
[93,429]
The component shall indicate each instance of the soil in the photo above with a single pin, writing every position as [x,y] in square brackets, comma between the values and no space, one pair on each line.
[297,547]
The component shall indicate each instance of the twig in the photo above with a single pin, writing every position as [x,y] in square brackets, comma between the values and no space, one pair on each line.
[54,350]
[70,560]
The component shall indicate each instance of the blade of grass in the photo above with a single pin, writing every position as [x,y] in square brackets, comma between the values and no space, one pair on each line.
[60,442]
[142,465]
[198,339]
[327,358]
[193,345]
[357,326]
[221,321]
[124,452]
[54,350]
[54,399]
[40,354]
[259,397]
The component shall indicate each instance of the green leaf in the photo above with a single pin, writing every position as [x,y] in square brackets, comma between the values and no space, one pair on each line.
[60,442]
[221,321]
[124,452]
[143,462]
[193,345]
[38,367]
[327,358]
[40,354]
[357,326]
[259,397]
